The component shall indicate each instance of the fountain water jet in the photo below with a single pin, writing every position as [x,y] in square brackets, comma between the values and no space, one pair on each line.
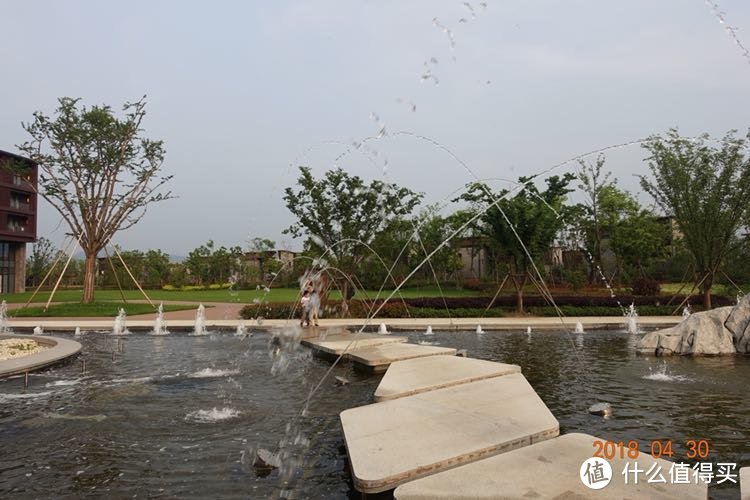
[241,329]
[160,326]
[119,328]
[4,318]
[479,329]
[579,327]
[38,330]
[382,330]
[686,312]
[78,331]
[429,331]
[631,319]
[200,320]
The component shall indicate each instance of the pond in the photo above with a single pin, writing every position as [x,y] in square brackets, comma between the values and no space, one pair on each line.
[182,416]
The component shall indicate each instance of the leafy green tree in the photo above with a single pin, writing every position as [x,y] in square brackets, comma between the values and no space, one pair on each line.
[208,264]
[43,253]
[530,219]
[593,181]
[340,212]
[97,170]
[638,239]
[198,263]
[262,247]
[605,206]
[156,266]
[706,188]
[404,244]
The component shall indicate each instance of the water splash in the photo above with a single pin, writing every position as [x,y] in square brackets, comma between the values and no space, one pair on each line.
[212,416]
[213,373]
[283,346]
[429,331]
[200,321]
[448,32]
[38,330]
[382,329]
[4,328]
[663,374]
[479,330]
[119,327]
[579,328]
[78,332]
[731,31]
[160,325]
[528,330]
[241,329]
[631,320]
[686,312]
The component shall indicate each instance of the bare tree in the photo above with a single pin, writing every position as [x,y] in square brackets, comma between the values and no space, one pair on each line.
[97,171]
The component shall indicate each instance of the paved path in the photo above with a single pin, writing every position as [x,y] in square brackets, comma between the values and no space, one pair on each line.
[226,315]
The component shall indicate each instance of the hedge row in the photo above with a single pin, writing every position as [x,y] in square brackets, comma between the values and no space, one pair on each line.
[458,307]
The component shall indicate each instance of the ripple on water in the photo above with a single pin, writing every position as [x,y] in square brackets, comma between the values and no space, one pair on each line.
[662,374]
[212,415]
[213,373]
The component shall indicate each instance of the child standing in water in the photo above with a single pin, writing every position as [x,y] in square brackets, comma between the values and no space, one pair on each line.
[314,307]
[305,303]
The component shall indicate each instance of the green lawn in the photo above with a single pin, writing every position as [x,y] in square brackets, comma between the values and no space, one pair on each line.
[244,296]
[100,309]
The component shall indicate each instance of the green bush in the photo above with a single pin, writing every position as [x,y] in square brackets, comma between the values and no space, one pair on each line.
[643,286]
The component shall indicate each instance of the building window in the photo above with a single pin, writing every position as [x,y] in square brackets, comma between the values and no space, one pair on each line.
[7,268]
[20,201]
[17,224]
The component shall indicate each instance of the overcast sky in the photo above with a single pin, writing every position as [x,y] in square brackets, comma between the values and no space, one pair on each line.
[243,92]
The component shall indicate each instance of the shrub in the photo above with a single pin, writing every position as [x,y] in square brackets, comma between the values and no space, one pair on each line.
[645,286]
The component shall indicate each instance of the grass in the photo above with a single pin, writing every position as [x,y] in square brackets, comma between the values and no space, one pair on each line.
[244,296]
[95,309]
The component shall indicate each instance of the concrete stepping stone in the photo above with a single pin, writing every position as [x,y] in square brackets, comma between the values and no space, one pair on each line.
[403,439]
[379,358]
[339,343]
[405,378]
[745,483]
[550,469]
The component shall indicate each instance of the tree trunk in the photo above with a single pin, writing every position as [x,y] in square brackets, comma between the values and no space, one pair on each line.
[89,277]
[706,289]
[519,282]
[344,298]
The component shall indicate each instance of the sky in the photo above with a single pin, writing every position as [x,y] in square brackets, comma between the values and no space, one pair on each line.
[244,92]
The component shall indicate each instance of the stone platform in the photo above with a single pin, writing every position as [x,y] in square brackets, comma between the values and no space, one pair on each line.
[339,343]
[550,469]
[397,441]
[406,378]
[379,358]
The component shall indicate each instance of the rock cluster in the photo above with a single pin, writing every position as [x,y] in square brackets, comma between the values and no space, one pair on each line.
[16,348]
[724,330]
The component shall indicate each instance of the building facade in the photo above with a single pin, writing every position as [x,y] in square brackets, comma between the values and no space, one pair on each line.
[18,209]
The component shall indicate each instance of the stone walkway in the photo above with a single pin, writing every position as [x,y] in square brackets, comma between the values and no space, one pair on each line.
[448,427]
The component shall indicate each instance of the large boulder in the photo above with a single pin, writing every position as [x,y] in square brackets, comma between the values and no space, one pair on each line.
[738,323]
[701,333]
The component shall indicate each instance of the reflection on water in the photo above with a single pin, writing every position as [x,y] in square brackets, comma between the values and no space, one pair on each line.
[172,416]
[178,416]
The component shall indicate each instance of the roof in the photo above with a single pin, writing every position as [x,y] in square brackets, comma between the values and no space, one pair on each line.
[15,156]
